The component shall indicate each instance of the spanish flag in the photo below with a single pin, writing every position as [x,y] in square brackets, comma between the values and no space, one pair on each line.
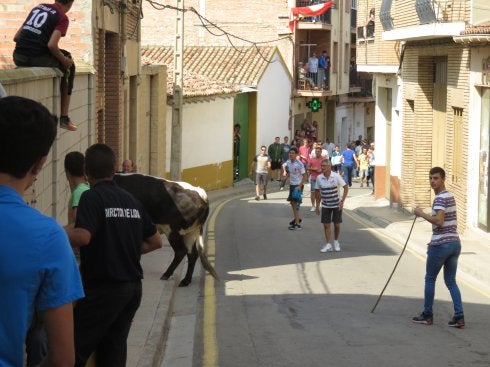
[307,11]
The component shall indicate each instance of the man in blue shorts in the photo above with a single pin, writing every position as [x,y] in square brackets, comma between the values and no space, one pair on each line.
[328,184]
[297,176]
[38,271]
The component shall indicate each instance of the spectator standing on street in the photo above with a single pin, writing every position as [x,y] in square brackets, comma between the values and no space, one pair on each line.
[275,152]
[128,166]
[75,174]
[112,230]
[349,161]
[285,157]
[314,169]
[37,45]
[363,167]
[38,271]
[443,250]
[328,184]
[262,163]
[297,177]
[372,165]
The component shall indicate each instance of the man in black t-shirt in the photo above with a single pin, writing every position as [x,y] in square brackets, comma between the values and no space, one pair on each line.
[112,230]
[37,45]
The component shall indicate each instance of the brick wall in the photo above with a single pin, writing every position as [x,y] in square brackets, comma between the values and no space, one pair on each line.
[375,51]
[417,124]
[78,39]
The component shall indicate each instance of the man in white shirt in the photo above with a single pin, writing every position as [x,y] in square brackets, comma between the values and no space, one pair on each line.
[328,184]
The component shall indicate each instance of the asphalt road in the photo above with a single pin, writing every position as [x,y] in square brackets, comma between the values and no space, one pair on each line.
[281,302]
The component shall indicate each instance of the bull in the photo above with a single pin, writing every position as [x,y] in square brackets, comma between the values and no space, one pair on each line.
[179,211]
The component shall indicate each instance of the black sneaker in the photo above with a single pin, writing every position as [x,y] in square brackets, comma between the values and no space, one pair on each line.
[292,222]
[423,319]
[294,227]
[457,322]
[265,197]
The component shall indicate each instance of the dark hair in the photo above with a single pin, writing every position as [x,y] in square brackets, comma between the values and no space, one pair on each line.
[74,164]
[294,149]
[435,170]
[27,132]
[64,1]
[100,161]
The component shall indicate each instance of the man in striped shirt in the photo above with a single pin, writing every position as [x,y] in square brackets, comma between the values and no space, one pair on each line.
[328,184]
[444,249]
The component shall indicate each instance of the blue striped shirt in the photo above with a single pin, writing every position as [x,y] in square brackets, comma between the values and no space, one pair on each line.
[448,231]
[329,189]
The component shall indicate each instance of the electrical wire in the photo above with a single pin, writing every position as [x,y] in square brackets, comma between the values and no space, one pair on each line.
[212,27]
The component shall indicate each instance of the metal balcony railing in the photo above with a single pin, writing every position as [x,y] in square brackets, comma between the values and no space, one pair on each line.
[366,31]
[324,18]
[313,81]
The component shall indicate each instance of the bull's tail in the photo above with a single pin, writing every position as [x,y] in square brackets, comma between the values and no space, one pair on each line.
[204,259]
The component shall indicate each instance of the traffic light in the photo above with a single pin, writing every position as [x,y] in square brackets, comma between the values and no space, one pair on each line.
[314,104]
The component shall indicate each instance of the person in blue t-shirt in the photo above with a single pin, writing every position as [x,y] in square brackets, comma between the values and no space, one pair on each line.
[38,271]
[350,162]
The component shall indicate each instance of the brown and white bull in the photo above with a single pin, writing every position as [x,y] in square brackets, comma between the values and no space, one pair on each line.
[179,210]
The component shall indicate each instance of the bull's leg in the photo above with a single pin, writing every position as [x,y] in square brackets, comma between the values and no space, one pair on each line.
[177,243]
[191,263]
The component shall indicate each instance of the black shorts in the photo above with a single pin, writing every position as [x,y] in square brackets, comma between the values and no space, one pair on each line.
[275,165]
[330,215]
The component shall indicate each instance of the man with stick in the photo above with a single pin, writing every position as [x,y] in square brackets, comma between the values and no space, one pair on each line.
[443,250]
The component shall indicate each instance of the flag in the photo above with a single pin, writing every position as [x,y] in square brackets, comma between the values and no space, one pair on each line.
[307,11]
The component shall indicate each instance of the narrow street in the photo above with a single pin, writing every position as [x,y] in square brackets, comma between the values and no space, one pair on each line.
[281,302]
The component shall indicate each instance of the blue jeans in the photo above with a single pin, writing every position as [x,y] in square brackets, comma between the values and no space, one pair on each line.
[348,175]
[438,256]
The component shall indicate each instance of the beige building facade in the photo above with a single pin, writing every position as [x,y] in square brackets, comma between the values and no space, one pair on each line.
[431,97]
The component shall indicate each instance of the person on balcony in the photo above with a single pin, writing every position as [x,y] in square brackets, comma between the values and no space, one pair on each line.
[323,69]
[369,26]
[313,68]
[37,45]
[302,75]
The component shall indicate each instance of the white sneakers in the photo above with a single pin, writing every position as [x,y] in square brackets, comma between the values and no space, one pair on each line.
[328,247]
[312,209]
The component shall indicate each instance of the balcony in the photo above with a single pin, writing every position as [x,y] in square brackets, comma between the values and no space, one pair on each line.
[436,19]
[361,88]
[365,32]
[323,21]
[312,84]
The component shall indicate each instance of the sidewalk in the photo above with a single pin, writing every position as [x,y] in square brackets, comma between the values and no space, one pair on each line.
[150,327]
[475,253]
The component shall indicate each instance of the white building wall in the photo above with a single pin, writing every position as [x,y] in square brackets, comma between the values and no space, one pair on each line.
[383,82]
[207,132]
[473,153]
[273,103]
[344,129]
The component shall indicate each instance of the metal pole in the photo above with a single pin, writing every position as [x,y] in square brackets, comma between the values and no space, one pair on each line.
[178,87]
[404,247]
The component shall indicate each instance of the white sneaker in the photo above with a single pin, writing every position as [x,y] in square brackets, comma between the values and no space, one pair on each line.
[312,209]
[326,248]
[336,244]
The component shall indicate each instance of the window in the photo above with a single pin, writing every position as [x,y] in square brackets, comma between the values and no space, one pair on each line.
[335,61]
[457,144]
